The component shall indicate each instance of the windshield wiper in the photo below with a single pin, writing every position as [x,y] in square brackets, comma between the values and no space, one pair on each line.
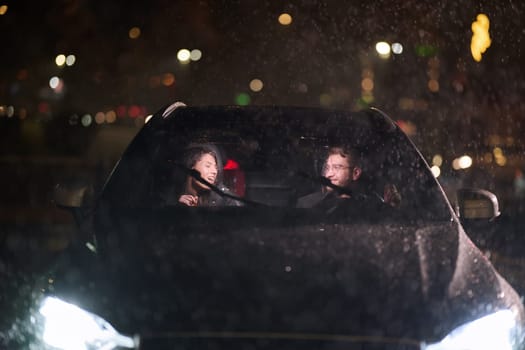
[325,182]
[197,176]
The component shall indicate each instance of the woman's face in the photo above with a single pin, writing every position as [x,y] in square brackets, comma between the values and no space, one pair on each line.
[207,167]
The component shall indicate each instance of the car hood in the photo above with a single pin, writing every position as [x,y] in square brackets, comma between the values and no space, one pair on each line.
[163,273]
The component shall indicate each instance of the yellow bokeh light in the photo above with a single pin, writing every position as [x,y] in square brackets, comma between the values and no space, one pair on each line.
[256,85]
[433,85]
[111,116]
[501,160]
[367,84]
[497,152]
[455,164]
[285,19]
[60,60]
[499,157]
[437,160]
[383,49]
[134,33]
[464,162]
[183,55]
[3,10]
[480,36]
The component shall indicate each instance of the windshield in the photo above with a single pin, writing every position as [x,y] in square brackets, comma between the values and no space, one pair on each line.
[275,158]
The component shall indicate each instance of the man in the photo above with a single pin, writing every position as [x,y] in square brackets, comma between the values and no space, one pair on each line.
[343,169]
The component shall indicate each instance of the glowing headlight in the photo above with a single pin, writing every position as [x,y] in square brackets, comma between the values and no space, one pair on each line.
[68,327]
[495,331]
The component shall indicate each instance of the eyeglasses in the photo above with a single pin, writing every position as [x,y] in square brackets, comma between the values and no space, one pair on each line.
[336,168]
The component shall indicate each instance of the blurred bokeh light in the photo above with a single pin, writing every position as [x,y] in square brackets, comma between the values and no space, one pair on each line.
[184,55]
[134,33]
[60,60]
[383,49]
[285,19]
[256,85]
[195,54]
[480,36]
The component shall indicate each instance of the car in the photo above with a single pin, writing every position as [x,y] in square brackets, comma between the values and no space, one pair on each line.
[148,272]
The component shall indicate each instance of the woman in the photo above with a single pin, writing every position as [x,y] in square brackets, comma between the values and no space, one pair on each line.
[203,159]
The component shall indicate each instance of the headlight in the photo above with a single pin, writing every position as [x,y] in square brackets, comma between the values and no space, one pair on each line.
[495,331]
[68,327]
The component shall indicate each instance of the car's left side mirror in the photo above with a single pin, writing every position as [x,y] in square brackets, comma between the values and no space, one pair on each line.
[71,196]
[477,204]
[76,197]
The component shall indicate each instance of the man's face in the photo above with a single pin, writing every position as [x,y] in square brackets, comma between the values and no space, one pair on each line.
[337,169]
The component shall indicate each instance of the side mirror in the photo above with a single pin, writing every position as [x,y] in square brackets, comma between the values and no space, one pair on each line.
[71,196]
[477,204]
[77,198]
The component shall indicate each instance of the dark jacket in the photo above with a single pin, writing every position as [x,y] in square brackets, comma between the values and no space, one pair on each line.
[330,200]
[213,199]
[311,200]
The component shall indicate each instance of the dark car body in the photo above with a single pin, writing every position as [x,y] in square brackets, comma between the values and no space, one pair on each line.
[263,274]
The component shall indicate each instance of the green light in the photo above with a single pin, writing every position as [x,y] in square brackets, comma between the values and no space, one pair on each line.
[242,99]
[426,50]
[364,101]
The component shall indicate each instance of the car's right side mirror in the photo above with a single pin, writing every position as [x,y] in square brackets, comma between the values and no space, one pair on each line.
[477,204]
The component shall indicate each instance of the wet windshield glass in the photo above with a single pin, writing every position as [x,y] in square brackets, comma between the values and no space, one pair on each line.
[279,159]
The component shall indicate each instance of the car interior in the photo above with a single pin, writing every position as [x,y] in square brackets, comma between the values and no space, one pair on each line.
[275,166]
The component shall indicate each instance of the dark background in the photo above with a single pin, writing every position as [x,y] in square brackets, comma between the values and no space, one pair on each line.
[78,131]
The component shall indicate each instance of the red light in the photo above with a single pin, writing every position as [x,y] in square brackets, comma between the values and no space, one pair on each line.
[121,111]
[234,177]
[231,165]
[43,107]
[134,111]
